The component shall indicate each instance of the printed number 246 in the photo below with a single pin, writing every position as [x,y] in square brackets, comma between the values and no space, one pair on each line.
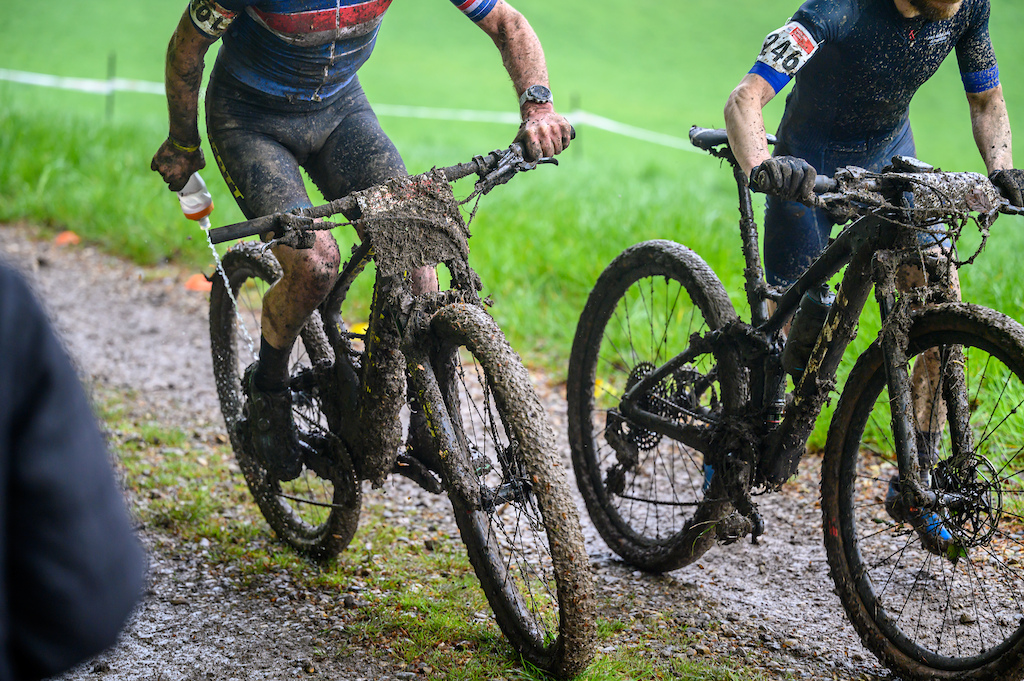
[790,61]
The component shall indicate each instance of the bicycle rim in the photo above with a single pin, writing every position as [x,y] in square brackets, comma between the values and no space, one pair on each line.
[317,512]
[642,489]
[959,615]
[522,535]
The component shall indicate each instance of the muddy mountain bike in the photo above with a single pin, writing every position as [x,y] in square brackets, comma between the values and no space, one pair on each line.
[679,416]
[482,436]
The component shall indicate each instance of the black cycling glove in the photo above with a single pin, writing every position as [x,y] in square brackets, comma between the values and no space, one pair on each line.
[1011,183]
[787,177]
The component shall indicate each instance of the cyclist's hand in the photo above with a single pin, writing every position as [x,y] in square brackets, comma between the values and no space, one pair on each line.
[787,177]
[544,133]
[176,165]
[1011,183]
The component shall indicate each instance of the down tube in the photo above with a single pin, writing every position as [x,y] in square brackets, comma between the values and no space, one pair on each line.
[786,446]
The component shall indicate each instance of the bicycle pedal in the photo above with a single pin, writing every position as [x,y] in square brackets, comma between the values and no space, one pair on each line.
[732,528]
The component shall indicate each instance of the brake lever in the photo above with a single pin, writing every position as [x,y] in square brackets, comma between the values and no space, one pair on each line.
[509,164]
[298,231]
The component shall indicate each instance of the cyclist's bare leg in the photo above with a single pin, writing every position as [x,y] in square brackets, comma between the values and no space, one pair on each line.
[309,275]
[424,280]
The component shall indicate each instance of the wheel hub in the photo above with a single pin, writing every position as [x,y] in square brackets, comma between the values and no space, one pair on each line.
[972,498]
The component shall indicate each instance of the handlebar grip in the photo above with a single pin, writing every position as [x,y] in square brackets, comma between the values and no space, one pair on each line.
[824,184]
[269,223]
[240,230]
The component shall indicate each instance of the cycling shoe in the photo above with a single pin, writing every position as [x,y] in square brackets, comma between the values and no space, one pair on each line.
[274,440]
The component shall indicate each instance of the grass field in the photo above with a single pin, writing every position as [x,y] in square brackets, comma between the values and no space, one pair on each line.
[540,242]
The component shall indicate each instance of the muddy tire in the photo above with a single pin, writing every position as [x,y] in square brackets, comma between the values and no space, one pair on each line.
[960,615]
[645,492]
[523,535]
[317,513]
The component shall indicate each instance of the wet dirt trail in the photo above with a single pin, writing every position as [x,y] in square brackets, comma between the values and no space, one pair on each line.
[139,332]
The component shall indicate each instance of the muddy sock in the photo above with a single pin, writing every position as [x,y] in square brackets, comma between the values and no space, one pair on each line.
[928,448]
[272,371]
[927,453]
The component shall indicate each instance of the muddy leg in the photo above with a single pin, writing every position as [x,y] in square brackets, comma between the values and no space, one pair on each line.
[308,277]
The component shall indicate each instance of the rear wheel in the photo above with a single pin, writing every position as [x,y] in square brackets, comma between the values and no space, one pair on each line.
[645,491]
[316,513]
[959,615]
[522,534]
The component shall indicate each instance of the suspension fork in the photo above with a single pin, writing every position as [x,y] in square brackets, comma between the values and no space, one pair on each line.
[431,365]
[894,339]
[755,285]
[345,392]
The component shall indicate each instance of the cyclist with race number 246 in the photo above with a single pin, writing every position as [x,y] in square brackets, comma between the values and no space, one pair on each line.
[857,64]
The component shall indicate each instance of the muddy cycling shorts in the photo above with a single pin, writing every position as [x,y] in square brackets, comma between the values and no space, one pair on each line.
[795,234]
[260,144]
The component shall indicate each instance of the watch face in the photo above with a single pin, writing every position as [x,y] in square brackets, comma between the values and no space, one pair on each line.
[538,93]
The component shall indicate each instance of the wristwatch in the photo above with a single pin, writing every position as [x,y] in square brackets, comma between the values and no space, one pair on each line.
[536,93]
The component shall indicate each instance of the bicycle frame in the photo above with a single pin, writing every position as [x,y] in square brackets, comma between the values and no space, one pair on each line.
[865,248]
[395,338]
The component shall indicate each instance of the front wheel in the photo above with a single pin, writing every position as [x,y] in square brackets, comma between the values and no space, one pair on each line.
[523,533]
[318,512]
[645,491]
[958,612]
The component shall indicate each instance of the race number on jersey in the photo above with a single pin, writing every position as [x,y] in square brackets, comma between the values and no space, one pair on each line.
[788,49]
[209,17]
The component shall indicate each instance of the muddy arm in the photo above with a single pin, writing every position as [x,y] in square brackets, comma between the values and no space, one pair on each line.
[180,156]
[745,122]
[991,125]
[544,132]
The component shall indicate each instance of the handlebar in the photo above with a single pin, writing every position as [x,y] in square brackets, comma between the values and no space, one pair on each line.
[848,182]
[494,168]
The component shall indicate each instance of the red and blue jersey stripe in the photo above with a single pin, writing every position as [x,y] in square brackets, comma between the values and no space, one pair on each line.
[475,9]
[300,49]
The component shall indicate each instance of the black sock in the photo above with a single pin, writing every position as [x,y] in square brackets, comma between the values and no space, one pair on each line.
[272,371]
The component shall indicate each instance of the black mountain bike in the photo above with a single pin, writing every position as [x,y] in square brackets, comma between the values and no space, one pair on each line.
[679,416]
[478,432]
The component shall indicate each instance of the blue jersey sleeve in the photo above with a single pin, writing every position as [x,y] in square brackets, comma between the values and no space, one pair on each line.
[974,53]
[475,9]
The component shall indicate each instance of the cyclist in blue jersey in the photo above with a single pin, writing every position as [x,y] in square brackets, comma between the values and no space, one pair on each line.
[284,94]
[857,64]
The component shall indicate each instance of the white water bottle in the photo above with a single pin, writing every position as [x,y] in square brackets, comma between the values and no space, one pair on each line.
[196,202]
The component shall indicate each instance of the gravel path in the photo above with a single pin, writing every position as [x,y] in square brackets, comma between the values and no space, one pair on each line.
[138,330]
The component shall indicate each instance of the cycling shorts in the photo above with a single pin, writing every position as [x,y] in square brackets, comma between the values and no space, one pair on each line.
[260,145]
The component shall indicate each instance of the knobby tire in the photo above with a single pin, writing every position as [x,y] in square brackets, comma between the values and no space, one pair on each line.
[317,513]
[961,615]
[527,550]
[644,491]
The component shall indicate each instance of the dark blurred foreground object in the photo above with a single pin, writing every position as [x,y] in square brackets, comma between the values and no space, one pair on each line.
[71,569]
